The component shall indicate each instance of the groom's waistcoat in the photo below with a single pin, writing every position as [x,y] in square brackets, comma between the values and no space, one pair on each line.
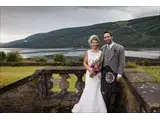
[114,58]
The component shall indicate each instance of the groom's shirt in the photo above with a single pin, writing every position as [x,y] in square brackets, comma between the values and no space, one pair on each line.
[110,46]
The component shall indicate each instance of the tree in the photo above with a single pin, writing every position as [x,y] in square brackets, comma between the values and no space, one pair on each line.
[59,58]
[14,57]
[2,56]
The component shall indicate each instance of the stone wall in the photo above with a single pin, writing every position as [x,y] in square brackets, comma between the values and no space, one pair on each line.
[141,92]
[19,99]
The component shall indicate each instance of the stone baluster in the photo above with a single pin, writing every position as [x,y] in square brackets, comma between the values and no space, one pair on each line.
[44,84]
[41,86]
[64,84]
[49,84]
[79,84]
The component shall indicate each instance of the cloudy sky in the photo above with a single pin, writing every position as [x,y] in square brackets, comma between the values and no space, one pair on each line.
[20,22]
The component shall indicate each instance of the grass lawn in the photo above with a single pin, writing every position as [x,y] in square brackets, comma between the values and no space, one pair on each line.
[150,70]
[10,74]
[153,71]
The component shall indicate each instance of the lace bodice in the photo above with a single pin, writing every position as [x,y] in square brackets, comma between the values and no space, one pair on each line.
[93,56]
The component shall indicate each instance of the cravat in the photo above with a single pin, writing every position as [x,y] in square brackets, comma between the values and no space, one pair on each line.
[108,47]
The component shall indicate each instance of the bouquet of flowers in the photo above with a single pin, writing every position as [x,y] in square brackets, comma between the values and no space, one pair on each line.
[94,67]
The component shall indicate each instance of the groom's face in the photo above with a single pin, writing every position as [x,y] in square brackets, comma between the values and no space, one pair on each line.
[107,38]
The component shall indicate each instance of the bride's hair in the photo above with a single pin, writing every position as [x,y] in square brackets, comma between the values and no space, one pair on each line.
[93,37]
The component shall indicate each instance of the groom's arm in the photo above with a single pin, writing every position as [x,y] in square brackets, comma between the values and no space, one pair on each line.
[121,62]
[101,57]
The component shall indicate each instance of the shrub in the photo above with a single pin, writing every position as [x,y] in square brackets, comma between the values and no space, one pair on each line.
[59,58]
[131,65]
[14,57]
[81,59]
[147,62]
[71,63]
[2,56]
[41,59]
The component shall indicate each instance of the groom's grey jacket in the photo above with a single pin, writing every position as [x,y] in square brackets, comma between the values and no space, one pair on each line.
[114,58]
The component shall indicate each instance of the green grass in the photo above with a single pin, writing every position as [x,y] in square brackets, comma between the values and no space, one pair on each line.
[131,65]
[10,74]
[150,70]
[153,71]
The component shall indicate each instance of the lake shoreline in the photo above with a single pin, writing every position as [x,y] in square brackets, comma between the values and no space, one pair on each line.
[76,52]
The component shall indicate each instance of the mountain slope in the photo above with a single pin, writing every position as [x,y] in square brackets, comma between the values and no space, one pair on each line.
[141,32]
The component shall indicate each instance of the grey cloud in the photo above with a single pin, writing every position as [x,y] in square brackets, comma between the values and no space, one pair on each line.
[19,22]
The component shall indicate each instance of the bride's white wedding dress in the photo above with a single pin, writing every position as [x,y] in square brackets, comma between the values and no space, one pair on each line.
[91,100]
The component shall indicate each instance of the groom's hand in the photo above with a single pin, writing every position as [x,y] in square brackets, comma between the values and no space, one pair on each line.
[119,77]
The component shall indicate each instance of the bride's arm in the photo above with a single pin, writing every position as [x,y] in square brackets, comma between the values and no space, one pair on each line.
[85,63]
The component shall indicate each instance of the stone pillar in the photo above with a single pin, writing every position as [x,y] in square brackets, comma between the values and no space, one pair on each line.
[44,85]
[49,84]
[41,87]
[64,84]
[79,84]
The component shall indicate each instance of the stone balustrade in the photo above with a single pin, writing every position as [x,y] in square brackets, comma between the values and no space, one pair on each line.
[35,94]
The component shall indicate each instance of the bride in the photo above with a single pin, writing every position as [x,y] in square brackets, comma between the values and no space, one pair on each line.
[91,100]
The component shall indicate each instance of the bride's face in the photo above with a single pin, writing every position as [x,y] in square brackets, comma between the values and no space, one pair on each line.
[95,44]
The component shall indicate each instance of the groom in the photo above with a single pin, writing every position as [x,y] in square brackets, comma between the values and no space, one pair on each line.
[113,61]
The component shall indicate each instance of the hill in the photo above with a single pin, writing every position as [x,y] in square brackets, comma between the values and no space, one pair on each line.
[139,33]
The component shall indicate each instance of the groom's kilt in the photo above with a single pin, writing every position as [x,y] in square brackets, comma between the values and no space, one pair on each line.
[109,87]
